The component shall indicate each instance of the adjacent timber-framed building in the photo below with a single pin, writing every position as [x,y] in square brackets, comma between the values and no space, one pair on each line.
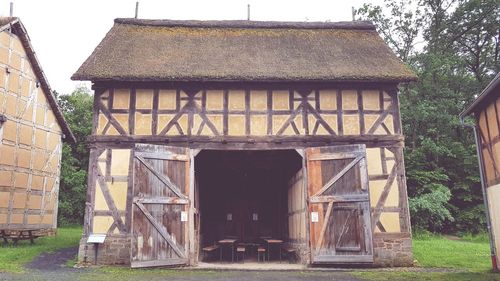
[486,112]
[208,129]
[32,129]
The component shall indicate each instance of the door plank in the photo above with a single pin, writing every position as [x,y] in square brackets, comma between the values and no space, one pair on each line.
[338,176]
[162,177]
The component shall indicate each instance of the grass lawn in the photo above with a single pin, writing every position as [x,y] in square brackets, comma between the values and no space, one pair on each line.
[13,259]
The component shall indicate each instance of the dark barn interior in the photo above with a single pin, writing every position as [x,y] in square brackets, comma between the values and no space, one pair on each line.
[245,195]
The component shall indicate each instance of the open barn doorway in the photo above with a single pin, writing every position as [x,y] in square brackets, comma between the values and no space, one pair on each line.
[252,205]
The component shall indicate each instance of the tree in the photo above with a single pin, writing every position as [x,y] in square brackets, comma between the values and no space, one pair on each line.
[77,109]
[458,57]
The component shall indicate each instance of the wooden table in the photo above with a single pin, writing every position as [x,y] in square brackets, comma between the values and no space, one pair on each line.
[16,235]
[226,242]
[270,241]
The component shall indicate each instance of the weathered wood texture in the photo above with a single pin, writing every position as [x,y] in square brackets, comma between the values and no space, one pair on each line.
[297,209]
[247,111]
[30,149]
[488,120]
[339,205]
[161,187]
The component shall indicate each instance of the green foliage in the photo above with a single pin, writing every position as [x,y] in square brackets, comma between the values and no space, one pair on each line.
[77,109]
[457,57]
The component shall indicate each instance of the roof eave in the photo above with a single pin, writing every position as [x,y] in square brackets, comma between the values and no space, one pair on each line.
[484,94]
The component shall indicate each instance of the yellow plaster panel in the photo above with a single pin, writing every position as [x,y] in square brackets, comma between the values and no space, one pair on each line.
[331,120]
[35,202]
[21,180]
[328,99]
[10,130]
[25,87]
[7,154]
[217,121]
[167,99]
[121,99]
[39,160]
[163,120]
[34,219]
[236,125]
[120,159]
[40,115]
[371,100]
[122,120]
[14,82]
[196,124]
[389,123]
[36,182]
[278,122]
[3,218]
[41,138]
[492,120]
[299,124]
[10,105]
[5,178]
[15,61]
[5,38]
[4,55]
[23,157]
[370,120]
[48,219]
[19,200]
[350,100]
[102,224]
[17,218]
[28,113]
[281,100]
[351,124]
[390,221]
[496,152]
[112,131]
[54,140]
[258,100]
[183,122]
[143,124]
[25,134]
[215,100]
[100,202]
[393,196]
[258,126]
[118,191]
[4,199]
[101,123]
[236,100]
[494,207]
[374,161]
[2,80]
[376,188]
[144,99]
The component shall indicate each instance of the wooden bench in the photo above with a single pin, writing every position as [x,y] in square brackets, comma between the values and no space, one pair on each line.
[16,235]
[208,250]
[289,251]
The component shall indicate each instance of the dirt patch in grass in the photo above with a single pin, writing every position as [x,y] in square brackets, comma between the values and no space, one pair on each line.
[54,261]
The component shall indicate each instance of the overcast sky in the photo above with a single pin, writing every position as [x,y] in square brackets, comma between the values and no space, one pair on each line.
[65,32]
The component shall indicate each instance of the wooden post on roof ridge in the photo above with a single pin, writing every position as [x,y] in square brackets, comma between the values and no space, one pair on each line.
[11,13]
[248,11]
[136,9]
[353,11]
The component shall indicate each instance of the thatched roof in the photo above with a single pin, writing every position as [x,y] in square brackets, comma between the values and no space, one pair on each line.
[488,95]
[18,28]
[166,50]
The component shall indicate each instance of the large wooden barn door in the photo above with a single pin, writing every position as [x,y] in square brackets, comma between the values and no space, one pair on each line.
[339,205]
[160,206]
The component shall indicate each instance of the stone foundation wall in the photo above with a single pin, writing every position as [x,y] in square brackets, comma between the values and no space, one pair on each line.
[115,250]
[392,250]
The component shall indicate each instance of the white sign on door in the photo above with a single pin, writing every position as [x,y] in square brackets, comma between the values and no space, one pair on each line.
[184,216]
[314,217]
[229,217]
[255,217]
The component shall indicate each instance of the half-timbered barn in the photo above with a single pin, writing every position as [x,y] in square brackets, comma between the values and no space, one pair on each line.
[31,131]
[486,113]
[205,130]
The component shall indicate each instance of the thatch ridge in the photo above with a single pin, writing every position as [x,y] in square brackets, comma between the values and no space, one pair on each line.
[165,50]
